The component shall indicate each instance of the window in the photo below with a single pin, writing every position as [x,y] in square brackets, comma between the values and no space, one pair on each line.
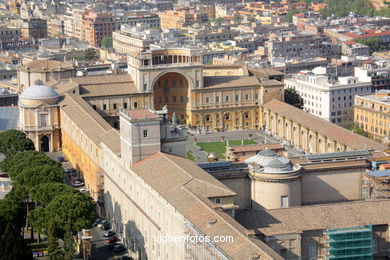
[218,201]
[227,98]
[207,118]
[145,133]
[227,116]
[94,107]
[217,99]
[284,201]
[181,99]
[42,120]
[174,99]
[207,100]
[237,97]
[135,104]
[246,97]
[125,105]
[114,106]
[104,107]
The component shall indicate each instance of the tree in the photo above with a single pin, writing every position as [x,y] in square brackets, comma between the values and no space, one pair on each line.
[52,244]
[107,42]
[13,141]
[31,177]
[22,160]
[77,209]
[90,54]
[292,97]
[69,243]
[373,44]
[44,193]
[12,245]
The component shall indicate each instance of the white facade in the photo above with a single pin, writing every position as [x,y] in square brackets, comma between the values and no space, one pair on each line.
[329,99]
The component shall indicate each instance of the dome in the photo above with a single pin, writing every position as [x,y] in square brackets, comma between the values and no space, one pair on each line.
[262,158]
[212,157]
[278,165]
[39,92]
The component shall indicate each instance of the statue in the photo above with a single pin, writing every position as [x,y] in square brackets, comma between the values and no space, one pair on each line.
[174,119]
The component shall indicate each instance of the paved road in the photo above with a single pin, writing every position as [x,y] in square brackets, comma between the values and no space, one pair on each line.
[100,250]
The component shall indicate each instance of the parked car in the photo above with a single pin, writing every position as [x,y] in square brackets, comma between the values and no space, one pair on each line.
[60,158]
[97,221]
[4,175]
[125,257]
[105,226]
[102,222]
[109,233]
[70,170]
[78,182]
[84,190]
[111,240]
[119,248]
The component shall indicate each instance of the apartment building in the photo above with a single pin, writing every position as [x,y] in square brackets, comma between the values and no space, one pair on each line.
[96,26]
[372,114]
[132,39]
[328,97]
[294,45]
[145,18]
[33,28]
[9,37]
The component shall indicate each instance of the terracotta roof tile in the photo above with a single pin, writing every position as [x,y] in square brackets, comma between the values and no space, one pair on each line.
[317,217]
[337,133]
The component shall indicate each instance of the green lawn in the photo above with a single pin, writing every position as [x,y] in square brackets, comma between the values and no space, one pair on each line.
[190,156]
[220,147]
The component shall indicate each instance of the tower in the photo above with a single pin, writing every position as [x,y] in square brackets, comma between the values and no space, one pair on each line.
[140,134]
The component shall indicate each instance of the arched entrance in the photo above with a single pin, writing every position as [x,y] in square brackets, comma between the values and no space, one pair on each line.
[172,90]
[45,144]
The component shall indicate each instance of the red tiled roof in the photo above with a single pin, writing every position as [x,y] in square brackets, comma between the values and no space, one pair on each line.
[332,131]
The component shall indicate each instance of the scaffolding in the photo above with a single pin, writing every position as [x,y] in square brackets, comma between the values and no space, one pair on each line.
[350,243]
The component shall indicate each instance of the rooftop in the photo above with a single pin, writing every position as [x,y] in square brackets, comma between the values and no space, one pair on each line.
[317,217]
[332,131]
[141,114]
[45,66]
[187,187]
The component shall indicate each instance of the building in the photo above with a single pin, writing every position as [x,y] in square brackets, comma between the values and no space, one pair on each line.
[146,193]
[240,153]
[174,19]
[97,26]
[34,28]
[379,71]
[39,117]
[9,37]
[371,114]
[198,94]
[309,133]
[132,39]
[351,48]
[150,20]
[327,97]
[320,231]
[45,71]
[294,46]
